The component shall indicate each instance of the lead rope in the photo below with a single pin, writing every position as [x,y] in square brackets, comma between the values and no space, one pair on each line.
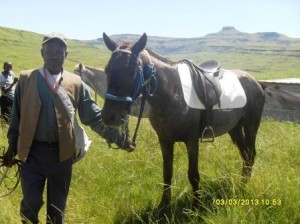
[7,174]
[150,71]
[140,115]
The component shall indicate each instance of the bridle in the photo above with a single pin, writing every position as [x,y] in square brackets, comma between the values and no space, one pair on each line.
[145,84]
[145,74]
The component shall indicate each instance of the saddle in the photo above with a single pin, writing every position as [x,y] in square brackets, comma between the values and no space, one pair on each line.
[205,79]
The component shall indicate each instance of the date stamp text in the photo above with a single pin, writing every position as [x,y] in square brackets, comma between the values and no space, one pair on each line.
[247,202]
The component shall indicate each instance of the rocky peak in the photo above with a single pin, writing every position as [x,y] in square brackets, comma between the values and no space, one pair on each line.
[228,28]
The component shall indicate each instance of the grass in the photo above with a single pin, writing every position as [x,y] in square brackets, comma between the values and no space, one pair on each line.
[261,66]
[112,186]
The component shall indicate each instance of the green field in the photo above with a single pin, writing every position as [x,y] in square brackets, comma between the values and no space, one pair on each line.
[22,48]
[113,186]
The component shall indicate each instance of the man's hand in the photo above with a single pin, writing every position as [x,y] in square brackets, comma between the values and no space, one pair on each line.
[16,80]
[8,158]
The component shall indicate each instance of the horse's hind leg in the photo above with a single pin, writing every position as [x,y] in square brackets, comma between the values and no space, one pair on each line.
[245,141]
[167,149]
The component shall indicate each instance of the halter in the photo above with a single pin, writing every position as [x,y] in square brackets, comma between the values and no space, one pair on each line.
[144,76]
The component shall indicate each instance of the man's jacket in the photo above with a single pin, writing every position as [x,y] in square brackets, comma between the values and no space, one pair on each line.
[30,105]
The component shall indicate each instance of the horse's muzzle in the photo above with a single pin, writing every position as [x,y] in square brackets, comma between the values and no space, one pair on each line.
[113,116]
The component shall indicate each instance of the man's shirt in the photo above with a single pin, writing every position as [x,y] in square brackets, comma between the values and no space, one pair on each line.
[5,81]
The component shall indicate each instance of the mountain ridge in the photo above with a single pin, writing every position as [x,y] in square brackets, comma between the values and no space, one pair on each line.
[227,39]
[264,54]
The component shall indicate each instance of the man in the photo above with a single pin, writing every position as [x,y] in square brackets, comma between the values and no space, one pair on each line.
[7,84]
[41,132]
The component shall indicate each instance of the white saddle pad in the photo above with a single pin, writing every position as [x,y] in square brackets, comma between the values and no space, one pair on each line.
[233,94]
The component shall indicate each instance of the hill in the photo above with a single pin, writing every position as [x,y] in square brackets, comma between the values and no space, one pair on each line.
[266,55]
[227,40]
[22,48]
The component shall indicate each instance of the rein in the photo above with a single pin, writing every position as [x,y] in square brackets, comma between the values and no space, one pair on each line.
[146,91]
[7,174]
[145,75]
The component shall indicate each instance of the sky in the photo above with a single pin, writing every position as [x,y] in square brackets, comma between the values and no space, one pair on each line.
[88,19]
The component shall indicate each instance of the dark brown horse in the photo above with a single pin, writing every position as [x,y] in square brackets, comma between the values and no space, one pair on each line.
[172,119]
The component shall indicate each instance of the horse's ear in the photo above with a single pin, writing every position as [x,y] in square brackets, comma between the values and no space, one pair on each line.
[110,44]
[140,44]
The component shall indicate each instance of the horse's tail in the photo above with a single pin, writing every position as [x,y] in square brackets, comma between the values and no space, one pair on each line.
[263,85]
[285,98]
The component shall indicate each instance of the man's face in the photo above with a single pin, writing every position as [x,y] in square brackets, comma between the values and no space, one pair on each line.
[54,54]
[7,68]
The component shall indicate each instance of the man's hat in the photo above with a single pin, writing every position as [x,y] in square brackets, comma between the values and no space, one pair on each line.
[55,36]
[7,63]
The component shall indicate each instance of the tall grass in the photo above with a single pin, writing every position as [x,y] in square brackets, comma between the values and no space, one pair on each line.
[113,186]
[261,66]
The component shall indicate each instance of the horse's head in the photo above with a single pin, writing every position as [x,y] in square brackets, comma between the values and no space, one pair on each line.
[125,78]
[78,69]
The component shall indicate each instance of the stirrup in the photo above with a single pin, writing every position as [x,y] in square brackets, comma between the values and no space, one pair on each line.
[208,129]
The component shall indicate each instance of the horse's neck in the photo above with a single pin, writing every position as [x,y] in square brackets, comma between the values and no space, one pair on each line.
[96,79]
[166,82]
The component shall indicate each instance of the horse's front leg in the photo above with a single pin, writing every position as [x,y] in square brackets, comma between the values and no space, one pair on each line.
[167,149]
[193,172]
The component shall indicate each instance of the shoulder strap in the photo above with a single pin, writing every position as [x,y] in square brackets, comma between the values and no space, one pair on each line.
[82,141]
[67,103]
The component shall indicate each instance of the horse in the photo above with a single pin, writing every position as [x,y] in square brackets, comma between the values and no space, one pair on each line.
[285,98]
[96,79]
[172,119]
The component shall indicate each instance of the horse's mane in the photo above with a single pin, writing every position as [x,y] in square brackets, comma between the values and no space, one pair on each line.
[128,45]
[125,45]
[159,57]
